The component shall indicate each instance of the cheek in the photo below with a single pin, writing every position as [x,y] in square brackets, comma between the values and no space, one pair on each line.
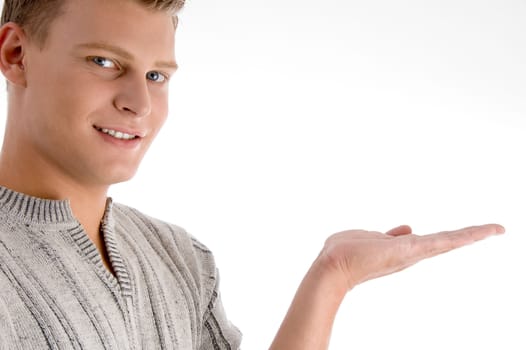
[67,99]
[160,111]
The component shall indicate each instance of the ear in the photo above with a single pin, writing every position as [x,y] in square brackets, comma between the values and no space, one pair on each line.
[12,44]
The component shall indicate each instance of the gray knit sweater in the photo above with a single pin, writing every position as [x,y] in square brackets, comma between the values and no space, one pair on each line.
[55,293]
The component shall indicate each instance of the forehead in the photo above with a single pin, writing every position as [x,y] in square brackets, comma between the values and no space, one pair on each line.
[125,23]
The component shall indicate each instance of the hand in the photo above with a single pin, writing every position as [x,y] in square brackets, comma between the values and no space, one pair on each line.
[357,256]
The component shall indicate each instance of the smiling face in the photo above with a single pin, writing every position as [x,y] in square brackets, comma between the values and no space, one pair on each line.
[96,94]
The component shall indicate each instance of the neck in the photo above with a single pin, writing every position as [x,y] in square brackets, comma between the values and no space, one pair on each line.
[33,178]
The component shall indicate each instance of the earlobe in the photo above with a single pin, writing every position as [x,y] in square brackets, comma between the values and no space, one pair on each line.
[12,39]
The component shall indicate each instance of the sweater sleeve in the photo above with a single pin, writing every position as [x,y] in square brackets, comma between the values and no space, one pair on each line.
[218,332]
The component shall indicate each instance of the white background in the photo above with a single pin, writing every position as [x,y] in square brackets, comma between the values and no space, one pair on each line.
[291,120]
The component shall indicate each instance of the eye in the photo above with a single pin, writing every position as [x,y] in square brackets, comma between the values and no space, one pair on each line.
[156,77]
[104,62]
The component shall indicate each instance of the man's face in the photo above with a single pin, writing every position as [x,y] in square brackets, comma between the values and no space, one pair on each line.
[97,93]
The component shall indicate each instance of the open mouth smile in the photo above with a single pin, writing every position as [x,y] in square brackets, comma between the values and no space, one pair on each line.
[117,134]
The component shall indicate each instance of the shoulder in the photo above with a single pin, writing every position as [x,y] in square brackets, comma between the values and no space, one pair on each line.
[170,242]
[128,217]
[189,255]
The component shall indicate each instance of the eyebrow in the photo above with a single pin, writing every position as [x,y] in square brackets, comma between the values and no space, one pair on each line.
[123,53]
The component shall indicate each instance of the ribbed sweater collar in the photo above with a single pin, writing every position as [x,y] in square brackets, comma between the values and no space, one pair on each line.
[37,210]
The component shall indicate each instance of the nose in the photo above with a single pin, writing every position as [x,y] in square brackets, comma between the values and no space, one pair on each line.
[133,97]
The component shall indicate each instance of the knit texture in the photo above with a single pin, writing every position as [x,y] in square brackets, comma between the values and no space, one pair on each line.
[55,292]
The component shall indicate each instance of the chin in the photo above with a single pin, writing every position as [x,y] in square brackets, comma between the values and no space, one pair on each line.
[119,177]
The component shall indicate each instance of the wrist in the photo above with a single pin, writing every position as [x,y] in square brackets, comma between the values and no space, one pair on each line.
[326,270]
[309,321]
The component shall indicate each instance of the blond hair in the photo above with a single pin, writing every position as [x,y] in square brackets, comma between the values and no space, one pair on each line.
[35,16]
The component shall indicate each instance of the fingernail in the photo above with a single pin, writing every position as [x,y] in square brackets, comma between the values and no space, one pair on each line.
[500,229]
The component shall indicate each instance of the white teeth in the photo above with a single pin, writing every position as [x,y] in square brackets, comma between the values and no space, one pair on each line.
[118,134]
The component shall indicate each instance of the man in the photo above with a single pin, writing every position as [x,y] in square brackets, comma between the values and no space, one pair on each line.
[87,93]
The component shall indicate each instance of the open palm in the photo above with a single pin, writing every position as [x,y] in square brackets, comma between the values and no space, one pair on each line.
[363,255]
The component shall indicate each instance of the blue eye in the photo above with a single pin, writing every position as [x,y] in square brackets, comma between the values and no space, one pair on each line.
[103,62]
[156,76]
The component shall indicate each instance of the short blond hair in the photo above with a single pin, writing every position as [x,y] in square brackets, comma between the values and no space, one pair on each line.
[35,16]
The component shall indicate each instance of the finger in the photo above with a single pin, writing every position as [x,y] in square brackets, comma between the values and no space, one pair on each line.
[434,244]
[399,231]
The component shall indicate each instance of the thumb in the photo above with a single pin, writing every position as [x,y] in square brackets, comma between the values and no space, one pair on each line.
[399,231]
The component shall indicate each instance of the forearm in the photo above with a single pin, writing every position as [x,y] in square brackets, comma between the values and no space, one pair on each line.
[309,320]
